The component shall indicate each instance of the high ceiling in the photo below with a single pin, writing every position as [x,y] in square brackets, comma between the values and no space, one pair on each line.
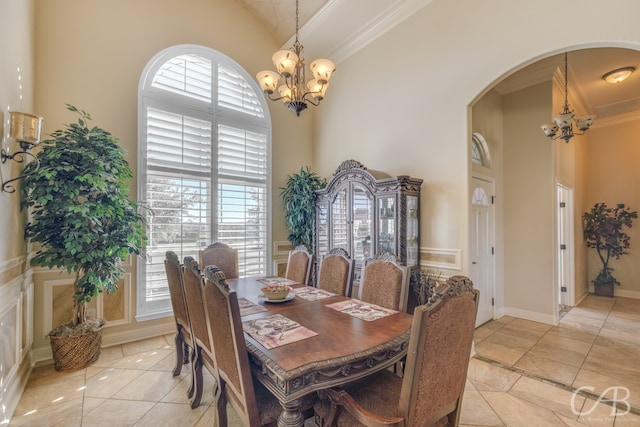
[337,28]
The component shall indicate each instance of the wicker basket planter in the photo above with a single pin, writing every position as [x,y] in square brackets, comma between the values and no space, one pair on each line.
[605,290]
[76,348]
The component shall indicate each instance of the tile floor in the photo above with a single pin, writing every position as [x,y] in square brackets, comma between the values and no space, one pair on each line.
[524,374]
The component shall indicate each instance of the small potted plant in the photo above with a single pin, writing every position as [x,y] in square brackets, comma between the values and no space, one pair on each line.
[604,230]
[83,223]
[298,201]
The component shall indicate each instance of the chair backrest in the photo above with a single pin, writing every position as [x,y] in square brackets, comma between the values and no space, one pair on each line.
[385,282]
[438,354]
[299,265]
[193,290]
[173,270]
[231,350]
[221,255]
[336,272]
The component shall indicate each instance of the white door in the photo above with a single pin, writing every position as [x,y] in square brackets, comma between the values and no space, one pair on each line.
[565,246]
[481,246]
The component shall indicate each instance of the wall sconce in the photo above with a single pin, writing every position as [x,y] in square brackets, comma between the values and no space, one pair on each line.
[25,129]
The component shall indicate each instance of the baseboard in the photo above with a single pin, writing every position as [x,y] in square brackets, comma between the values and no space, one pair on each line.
[43,354]
[529,315]
[625,293]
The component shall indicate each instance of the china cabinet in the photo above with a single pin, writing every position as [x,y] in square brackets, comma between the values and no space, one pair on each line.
[367,212]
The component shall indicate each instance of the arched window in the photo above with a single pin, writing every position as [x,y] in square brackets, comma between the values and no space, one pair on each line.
[204,166]
[479,151]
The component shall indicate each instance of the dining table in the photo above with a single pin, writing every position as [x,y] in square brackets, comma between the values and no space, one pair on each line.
[313,340]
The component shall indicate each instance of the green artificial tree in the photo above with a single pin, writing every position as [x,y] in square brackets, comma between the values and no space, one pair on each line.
[604,230]
[81,217]
[298,201]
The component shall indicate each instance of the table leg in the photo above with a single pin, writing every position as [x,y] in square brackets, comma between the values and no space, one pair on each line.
[291,415]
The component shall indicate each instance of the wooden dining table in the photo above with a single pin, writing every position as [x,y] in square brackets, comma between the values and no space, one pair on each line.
[344,348]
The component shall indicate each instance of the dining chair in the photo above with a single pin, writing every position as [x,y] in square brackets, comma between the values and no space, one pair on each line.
[336,272]
[203,354]
[299,265]
[183,338]
[221,255]
[430,393]
[385,282]
[252,402]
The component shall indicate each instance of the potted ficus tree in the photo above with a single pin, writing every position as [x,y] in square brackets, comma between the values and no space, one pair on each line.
[298,200]
[83,223]
[605,231]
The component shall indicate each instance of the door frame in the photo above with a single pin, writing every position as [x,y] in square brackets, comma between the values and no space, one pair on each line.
[565,233]
[490,287]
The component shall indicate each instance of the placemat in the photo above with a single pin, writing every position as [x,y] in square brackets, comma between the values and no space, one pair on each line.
[249,307]
[361,310]
[276,330]
[312,294]
[278,281]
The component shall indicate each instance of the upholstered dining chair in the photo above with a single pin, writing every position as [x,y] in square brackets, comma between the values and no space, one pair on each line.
[299,265]
[253,403]
[430,393]
[336,272]
[183,339]
[221,255]
[203,354]
[385,282]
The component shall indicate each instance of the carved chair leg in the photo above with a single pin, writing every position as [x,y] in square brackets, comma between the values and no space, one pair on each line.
[220,402]
[179,354]
[196,375]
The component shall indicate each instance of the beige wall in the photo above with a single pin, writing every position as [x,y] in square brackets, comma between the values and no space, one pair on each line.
[529,202]
[613,174]
[16,288]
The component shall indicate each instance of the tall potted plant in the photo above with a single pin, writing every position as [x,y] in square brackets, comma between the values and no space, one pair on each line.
[83,223]
[298,200]
[604,230]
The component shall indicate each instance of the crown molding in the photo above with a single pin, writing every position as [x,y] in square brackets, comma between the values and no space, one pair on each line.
[341,28]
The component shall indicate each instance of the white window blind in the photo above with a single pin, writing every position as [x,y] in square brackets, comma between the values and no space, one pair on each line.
[205,164]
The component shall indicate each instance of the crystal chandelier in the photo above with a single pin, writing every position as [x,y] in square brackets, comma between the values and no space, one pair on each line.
[295,92]
[565,121]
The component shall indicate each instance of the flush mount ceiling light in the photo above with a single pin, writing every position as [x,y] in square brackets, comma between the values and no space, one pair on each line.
[296,92]
[619,75]
[564,122]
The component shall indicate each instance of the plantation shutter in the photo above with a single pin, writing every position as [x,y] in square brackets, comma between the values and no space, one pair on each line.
[205,164]
[242,185]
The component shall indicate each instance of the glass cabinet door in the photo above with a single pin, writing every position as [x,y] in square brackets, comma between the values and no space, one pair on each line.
[362,221]
[387,225]
[339,221]
[413,229]
[322,229]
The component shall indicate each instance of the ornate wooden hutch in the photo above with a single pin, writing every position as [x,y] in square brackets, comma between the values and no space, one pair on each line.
[367,212]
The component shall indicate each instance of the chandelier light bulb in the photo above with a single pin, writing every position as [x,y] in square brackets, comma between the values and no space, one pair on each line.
[268,81]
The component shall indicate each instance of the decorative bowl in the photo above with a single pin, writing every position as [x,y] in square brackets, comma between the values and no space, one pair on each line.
[276,292]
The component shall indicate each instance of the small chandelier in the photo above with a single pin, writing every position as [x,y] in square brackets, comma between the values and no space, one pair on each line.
[564,122]
[295,92]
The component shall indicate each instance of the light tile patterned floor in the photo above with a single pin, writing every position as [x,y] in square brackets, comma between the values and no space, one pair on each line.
[524,374]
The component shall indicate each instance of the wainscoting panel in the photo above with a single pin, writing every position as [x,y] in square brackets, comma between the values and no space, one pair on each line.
[435,258]
[16,333]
